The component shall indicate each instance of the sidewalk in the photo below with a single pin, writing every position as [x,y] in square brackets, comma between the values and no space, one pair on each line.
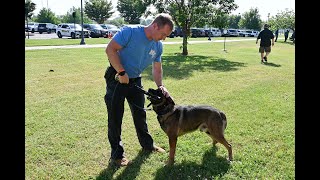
[105,45]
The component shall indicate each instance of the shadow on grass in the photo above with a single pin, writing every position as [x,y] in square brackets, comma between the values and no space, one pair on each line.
[288,42]
[130,172]
[179,66]
[212,167]
[271,64]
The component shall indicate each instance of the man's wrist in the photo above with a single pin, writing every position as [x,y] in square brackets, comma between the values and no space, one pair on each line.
[160,85]
[121,72]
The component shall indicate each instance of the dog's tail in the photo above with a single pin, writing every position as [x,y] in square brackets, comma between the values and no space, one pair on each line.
[224,119]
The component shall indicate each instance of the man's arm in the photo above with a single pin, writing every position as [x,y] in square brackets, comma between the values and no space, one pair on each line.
[258,37]
[157,76]
[157,73]
[112,53]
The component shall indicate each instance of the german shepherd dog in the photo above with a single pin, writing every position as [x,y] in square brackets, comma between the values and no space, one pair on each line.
[177,120]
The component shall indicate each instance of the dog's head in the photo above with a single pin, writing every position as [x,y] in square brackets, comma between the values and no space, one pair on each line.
[161,105]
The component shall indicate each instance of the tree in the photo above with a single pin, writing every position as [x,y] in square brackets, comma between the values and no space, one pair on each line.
[283,20]
[68,18]
[132,10]
[251,20]
[29,7]
[119,21]
[47,16]
[186,14]
[234,21]
[98,10]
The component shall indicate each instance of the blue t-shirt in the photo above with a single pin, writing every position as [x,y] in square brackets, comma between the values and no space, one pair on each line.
[138,52]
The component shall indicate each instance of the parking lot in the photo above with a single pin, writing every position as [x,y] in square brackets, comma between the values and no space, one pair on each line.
[36,35]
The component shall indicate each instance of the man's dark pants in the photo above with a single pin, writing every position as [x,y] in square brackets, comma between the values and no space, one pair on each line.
[114,99]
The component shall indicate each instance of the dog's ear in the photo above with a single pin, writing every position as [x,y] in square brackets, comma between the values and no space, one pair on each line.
[159,93]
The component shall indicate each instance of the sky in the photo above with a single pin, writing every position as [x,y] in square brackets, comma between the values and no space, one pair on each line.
[61,7]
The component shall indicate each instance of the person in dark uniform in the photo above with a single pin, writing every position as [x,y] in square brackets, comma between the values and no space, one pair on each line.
[265,44]
[286,35]
[276,34]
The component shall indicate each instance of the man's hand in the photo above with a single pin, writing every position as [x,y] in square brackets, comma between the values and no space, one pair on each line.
[164,90]
[123,79]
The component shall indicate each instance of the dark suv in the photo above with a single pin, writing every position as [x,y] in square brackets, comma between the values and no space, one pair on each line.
[46,27]
[96,30]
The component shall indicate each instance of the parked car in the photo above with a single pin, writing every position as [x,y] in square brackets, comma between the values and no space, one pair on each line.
[32,26]
[178,32]
[215,32]
[250,33]
[172,34]
[242,33]
[131,25]
[45,27]
[195,32]
[96,30]
[231,33]
[71,30]
[110,28]
[202,32]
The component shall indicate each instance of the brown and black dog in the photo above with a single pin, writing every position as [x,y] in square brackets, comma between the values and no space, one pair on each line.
[177,120]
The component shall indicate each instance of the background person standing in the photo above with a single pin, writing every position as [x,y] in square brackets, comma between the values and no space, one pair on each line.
[276,33]
[265,44]
[286,35]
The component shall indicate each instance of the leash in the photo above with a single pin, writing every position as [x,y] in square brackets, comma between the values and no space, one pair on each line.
[151,96]
[134,85]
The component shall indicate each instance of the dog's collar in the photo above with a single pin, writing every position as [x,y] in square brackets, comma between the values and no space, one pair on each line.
[164,111]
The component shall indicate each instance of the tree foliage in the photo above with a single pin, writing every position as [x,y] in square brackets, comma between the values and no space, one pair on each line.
[46,16]
[119,21]
[132,10]
[187,14]
[234,21]
[283,20]
[29,7]
[251,20]
[68,18]
[98,10]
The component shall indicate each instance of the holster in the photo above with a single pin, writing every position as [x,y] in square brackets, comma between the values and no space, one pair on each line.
[110,74]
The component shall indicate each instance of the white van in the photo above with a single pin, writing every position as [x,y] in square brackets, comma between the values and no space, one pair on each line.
[32,26]
[216,32]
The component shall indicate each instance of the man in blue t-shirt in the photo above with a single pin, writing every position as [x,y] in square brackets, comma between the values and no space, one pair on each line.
[131,51]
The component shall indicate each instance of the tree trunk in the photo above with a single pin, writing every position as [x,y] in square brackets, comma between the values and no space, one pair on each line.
[186,33]
[184,45]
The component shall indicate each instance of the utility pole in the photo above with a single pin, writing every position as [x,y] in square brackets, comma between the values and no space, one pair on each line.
[82,39]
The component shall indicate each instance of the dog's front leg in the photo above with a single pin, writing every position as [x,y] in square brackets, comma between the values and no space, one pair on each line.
[173,144]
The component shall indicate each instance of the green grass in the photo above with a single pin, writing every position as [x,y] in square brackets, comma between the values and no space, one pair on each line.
[66,117]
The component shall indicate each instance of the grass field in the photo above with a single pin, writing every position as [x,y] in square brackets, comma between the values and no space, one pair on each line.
[66,117]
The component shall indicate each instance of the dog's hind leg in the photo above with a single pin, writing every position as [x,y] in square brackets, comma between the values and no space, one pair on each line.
[204,128]
[218,136]
[225,143]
